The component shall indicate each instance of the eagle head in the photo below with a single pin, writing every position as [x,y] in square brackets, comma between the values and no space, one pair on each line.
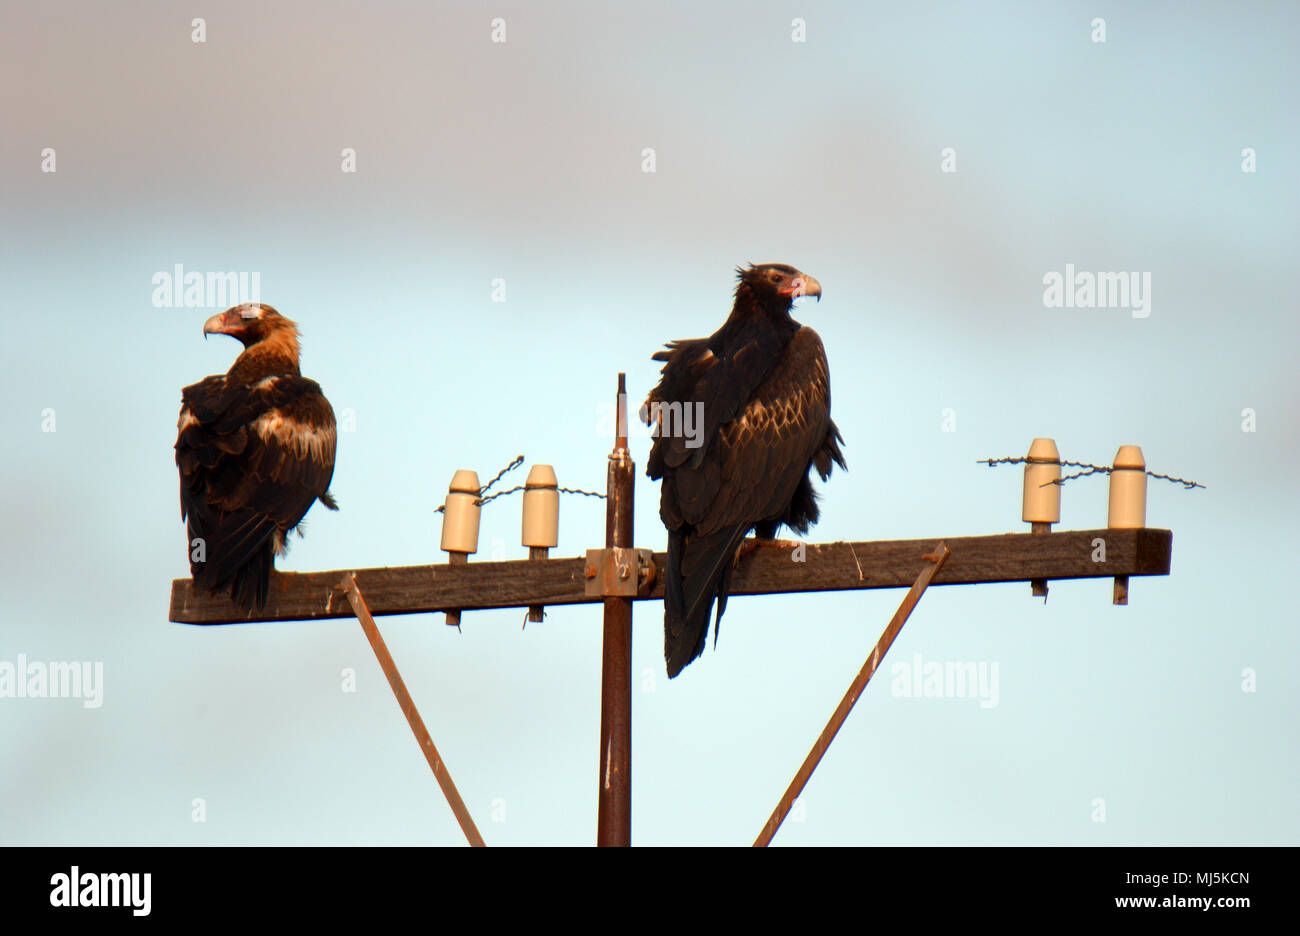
[775,285]
[250,322]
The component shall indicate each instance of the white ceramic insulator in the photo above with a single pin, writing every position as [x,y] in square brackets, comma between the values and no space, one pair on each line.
[541,525]
[460,515]
[1042,501]
[1128,490]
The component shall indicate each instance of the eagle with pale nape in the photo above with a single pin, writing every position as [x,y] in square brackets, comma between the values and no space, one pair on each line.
[752,406]
[255,449]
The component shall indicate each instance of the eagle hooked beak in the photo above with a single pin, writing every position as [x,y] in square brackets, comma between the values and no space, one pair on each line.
[804,285]
[213,325]
[231,322]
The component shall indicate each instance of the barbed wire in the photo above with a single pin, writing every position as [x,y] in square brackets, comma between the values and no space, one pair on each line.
[518,460]
[1090,469]
[516,489]
[515,463]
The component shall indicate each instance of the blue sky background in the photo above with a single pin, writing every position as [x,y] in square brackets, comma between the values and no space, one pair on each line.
[522,161]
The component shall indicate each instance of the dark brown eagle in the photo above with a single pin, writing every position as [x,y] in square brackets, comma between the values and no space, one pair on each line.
[739,419]
[255,449]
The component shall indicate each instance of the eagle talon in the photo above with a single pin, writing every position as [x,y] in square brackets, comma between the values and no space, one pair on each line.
[757,542]
[747,546]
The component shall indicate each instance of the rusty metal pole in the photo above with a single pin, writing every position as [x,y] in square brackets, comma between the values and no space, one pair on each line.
[856,688]
[440,773]
[614,816]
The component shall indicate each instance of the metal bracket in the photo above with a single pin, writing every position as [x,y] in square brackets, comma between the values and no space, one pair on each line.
[619,572]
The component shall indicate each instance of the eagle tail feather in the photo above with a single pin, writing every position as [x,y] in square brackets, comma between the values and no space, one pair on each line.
[699,570]
[251,584]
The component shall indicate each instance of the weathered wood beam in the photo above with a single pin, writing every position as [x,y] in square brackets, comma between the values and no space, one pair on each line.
[1010,557]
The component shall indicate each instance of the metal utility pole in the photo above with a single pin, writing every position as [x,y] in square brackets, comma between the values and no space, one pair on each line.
[614,818]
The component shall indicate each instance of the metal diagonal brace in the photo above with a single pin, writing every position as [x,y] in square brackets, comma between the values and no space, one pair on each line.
[937,559]
[349,585]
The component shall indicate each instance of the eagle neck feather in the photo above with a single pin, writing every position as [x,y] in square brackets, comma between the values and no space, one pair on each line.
[772,327]
[274,356]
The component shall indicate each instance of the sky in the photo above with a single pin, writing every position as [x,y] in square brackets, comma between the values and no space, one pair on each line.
[932,164]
